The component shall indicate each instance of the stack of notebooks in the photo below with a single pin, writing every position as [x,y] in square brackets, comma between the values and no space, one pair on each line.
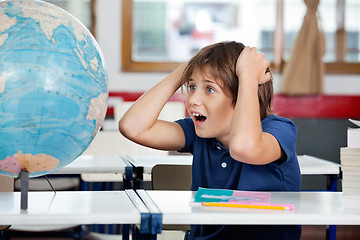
[350,161]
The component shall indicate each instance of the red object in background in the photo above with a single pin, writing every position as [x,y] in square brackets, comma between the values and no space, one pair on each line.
[315,106]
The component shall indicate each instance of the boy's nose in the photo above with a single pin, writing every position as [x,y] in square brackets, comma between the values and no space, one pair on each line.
[195,98]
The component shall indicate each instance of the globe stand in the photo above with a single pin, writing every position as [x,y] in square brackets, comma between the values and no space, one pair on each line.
[24,178]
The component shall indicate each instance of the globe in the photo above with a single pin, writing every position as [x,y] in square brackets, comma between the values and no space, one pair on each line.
[53,88]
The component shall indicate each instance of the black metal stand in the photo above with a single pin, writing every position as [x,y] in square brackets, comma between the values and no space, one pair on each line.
[24,178]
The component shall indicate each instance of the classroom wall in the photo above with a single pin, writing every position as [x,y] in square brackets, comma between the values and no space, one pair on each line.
[109,38]
[320,137]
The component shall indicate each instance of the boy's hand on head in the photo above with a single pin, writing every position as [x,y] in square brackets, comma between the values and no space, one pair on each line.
[252,63]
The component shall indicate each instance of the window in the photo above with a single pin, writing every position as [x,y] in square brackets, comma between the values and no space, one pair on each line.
[84,10]
[160,34]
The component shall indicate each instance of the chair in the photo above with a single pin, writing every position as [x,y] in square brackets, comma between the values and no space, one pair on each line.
[172,177]
[6,185]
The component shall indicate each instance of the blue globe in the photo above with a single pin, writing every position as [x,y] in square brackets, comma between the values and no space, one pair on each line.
[53,87]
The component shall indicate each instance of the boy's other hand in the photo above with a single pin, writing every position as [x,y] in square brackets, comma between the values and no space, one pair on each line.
[252,63]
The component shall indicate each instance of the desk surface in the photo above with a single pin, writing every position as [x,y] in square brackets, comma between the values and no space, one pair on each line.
[308,165]
[311,208]
[95,164]
[44,208]
[148,162]
[117,164]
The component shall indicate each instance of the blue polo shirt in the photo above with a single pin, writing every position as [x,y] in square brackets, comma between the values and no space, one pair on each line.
[213,167]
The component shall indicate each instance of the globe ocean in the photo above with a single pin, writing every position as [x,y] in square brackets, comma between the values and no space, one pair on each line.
[53,87]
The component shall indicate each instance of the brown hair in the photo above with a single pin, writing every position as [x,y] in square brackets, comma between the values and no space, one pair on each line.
[219,60]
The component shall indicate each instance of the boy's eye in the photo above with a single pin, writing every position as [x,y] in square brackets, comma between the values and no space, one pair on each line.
[210,90]
[191,87]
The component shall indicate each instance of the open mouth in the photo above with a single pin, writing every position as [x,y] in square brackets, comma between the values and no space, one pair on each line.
[198,117]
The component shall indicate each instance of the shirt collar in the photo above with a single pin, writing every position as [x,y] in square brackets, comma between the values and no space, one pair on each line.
[215,144]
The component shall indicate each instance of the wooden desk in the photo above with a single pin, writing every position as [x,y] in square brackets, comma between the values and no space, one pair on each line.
[75,207]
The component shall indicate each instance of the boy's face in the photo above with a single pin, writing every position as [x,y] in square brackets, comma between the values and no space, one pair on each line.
[210,108]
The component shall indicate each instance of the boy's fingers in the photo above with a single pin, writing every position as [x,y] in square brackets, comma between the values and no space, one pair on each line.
[266,77]
[267,63]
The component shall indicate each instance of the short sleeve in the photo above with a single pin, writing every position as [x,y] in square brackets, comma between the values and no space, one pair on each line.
[189,131]
[284,131]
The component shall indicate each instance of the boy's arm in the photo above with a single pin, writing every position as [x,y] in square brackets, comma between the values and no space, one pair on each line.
[248,143]
[140,123]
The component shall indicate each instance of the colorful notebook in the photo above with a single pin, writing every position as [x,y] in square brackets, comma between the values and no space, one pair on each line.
[239,199]
[233,196]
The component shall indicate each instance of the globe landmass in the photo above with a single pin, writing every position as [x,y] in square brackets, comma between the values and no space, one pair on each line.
[53,87]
